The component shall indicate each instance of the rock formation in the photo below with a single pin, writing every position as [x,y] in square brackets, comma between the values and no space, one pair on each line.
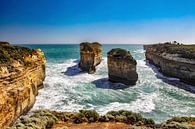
[121,67]
[173,59]
[90,56]
[22,71]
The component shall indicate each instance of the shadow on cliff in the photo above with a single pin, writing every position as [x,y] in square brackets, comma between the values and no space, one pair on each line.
[73,70]
[171,80]
[104,83]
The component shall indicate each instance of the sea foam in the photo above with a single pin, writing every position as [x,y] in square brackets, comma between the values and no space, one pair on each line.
[67,88]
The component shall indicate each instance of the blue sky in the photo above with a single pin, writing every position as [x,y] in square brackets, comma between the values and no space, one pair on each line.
[106,21]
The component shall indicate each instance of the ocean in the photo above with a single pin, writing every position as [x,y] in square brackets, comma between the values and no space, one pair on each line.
[66,88]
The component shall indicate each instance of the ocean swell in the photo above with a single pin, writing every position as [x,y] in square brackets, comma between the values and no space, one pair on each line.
[67,88]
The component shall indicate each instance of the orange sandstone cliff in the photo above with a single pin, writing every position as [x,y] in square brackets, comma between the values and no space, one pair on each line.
[173,59]
[90,56]
[121,67]
[22,71]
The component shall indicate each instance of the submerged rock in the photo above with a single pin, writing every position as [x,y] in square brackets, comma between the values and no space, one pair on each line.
[22,71]
[90,56]
[121,67]
[173,59]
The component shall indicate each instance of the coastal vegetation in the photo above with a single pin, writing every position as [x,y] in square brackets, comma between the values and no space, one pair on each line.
[9,52]
[184,51]
[46,119]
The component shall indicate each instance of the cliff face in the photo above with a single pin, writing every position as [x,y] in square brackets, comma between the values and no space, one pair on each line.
[173,60]
[90,56]
[22,72]
[121,67]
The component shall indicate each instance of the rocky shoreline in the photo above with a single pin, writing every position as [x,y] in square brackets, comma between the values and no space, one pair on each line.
[22,72]
[173,59]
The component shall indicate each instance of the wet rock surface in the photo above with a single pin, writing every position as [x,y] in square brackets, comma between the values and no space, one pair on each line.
[121,67]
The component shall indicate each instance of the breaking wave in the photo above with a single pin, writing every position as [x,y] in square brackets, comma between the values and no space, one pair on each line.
[69,89]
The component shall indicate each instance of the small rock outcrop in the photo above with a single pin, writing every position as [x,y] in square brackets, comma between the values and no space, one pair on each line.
[121,67]
[22,71]
[173,59]
[90,56]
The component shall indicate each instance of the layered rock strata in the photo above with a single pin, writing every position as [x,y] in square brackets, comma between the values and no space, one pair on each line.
[121,67]
[22,72]
[90,56]
[173,59]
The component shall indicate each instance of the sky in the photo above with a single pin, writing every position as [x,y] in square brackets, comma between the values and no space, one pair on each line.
[105,21]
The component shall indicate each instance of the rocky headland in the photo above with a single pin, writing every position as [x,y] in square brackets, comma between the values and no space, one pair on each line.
[90,56]
[121,67]
[22,71]
[173,59]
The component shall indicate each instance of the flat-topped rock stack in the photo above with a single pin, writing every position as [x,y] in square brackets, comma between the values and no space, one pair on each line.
[121,67]
[173,59]
[90,56]
[22,71]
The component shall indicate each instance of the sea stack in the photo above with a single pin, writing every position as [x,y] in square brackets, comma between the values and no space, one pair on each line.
[121,67]
[22,71]
[173,59]
[90,56]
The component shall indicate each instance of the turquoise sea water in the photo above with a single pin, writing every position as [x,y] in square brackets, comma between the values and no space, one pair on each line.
[69,89]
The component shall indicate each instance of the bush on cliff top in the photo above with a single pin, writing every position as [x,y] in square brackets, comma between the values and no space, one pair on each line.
[9,52]
[95,46]
[46,119]
[181,119]
[119,52]
[184,51]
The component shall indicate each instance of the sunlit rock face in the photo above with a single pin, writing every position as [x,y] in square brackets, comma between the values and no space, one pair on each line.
[173,59]
[121,67]
[22,71]
[90,56]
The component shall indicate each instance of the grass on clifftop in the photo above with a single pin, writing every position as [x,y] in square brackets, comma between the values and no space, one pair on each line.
[184,51]
[94,46]
[9,52]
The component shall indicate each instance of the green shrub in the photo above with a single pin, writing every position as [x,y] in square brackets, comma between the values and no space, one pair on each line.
[86,116]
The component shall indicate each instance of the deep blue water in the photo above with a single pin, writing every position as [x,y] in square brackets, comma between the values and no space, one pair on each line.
[67,89]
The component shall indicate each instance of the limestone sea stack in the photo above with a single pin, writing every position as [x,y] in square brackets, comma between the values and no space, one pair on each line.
[173,59]
[22,71]
[90,56]
[121,67]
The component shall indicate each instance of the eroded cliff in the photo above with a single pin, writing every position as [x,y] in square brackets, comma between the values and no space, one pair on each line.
[121,67]
[90,56]
[173,59]
[22,71]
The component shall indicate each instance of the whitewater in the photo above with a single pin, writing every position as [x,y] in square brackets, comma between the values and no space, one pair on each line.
[67,88]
